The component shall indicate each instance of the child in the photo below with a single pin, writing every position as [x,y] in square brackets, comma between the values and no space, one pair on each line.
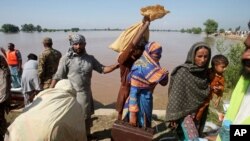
[219,64]
[216,78]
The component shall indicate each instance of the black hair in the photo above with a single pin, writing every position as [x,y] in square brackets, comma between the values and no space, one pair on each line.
[32,56]
[219,59]
[11,44]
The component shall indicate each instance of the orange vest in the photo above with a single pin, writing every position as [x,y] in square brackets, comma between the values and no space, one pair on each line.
[12,58]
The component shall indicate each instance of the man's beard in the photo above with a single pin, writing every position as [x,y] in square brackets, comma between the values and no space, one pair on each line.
[78,51]
[246,68]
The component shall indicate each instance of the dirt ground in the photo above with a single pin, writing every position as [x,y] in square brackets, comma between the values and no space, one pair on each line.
[102,126]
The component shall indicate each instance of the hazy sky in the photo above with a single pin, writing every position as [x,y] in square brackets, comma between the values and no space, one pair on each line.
[123,13]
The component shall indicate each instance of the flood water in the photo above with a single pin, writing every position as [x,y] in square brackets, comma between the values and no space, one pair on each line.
[105,86]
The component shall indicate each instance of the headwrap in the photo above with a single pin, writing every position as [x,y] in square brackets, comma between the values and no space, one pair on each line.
[189,86]
[145,70]
[77,38]
[191,55]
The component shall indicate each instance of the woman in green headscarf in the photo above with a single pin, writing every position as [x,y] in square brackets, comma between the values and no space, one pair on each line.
[189,87]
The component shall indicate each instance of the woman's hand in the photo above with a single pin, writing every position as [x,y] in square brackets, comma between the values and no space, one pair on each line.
[173,124]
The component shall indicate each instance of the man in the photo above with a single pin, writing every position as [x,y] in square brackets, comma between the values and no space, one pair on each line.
[48,63]
[4,94]
[238,112]
[126,60]
[14,60]
[77,66]
[30,80]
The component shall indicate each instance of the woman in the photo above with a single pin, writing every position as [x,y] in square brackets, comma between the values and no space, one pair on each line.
[145,74]
[189,87]
[30,81]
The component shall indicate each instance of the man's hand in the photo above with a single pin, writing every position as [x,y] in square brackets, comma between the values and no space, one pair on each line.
[3,51]
[145,19]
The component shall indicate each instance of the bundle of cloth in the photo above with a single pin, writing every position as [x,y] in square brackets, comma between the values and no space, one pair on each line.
[125,38]
[54,115]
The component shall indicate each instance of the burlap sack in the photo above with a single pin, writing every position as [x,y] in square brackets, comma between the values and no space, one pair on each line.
[127,36]
[154,12]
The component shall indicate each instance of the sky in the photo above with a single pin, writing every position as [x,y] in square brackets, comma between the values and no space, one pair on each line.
[89,14]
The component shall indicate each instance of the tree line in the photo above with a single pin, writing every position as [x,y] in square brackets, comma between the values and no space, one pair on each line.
[10,28]
[211,27]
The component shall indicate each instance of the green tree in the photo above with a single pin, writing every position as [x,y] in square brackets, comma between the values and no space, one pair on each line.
[28,28]
[182,30]
[196,30]
[45,30]
[222,30]
[75,29]
[189,30]
[38,28]
[234,68]
[10,28]
[211,26]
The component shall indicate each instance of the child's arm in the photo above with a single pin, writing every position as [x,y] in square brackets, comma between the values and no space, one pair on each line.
[218,89]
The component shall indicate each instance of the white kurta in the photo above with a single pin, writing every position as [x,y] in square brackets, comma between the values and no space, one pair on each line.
[30,79]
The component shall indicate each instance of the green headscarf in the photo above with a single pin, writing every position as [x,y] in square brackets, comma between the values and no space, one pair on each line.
[189,86]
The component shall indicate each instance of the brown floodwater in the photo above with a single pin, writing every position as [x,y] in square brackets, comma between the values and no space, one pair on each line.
[105,86]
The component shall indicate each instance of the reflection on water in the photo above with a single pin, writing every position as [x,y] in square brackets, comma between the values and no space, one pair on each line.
[105,87]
